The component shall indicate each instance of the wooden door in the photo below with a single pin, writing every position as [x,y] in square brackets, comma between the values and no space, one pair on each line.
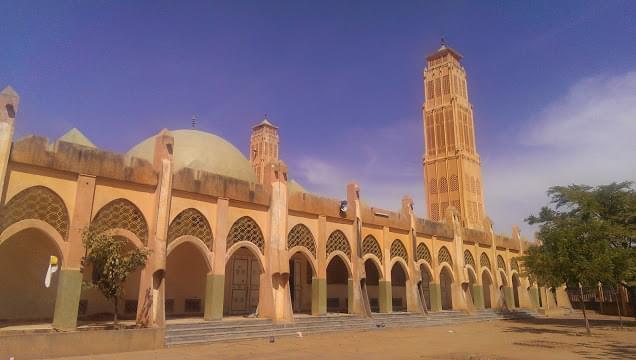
[244,284]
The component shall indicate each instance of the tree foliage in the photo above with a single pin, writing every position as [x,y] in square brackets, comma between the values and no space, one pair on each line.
[111,263]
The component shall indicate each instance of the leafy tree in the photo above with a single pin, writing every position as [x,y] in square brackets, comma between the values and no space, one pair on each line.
[587,236]
[111,264]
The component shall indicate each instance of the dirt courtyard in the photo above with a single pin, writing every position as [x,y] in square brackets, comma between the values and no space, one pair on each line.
[550,338]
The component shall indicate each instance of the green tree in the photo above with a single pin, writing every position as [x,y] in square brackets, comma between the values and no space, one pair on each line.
[587,236]
[111,264]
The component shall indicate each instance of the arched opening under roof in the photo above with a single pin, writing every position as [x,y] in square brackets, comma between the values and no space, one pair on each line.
[398,287]
[301,273]
[186,273]
[487,284]
[425,286]
[243,277]
[373,282]
[516,283]
[446,282]
[338,286]
[24,261]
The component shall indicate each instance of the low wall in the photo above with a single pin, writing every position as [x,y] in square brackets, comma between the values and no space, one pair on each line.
[89,342]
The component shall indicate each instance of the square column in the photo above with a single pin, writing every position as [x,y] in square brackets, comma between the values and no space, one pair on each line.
[318,296]
[509,297]
[478,296]
[214,292]
[436,296]
[385,296]
[69,289]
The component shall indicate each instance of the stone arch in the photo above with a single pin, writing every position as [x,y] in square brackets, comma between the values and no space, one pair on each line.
[255,250]
[501,263]
[303,271]
[444,256]
[39,203]
[121,214]
[300,235]
[422,253]
[338,276]
[246,230]
[484,260]
[427,275]
[244,278]
[376,262]
[305,252]
[188,263]
[191,222]
[40,225]
[446,280]
[399,280]
[399,250]
[343,257]
[514,264]
[487,282]
[196,242]
[338,241]
[374,274]
[371,246]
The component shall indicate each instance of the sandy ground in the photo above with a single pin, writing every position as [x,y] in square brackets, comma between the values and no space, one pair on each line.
[551,338]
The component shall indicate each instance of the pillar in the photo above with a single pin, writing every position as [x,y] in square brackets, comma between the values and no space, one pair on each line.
[509,297]
[478,296]
[352,301]
[318,296]
[385,296]
[534,296]
[69,287]
[436,296]
[9,102]
[215,281]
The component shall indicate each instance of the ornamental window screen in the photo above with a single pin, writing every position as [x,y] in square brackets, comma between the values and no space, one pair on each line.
[190,222]
[301,236]
[473,188]
[338,241]
[423,253]
[501,263]
[454,183]
[246,229]
[484,260]
[514,264]
[468,259]
[433,186]
[370,246]
[443,185]
[399,250]
[37,202]
[121,214]
[435,212]
[444,256]
[478,186]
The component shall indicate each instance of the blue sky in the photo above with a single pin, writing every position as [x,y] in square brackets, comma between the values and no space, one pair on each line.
[553,84]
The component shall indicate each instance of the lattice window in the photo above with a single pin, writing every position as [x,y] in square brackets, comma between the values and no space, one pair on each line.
[121,214]
[514,264]
[469,259]
[473,188]
[338,241]
[435,212]
[433,186]
[246,229]
[398,249]
[190,222]
[484,260]
[478,186]
[443,185]
[444,256]
[454,183]
[39,203]
[501,263]
[301,236]
[443,209]
[422,252]
[370,246]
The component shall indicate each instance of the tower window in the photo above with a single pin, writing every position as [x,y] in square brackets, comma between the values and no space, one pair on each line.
[446,85]
[433,186]
[443,186]
[435,212]
[454,185]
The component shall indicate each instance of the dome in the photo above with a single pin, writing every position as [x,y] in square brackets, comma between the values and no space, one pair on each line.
[201,150]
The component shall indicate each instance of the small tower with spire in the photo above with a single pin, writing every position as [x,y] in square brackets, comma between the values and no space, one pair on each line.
[9,103]
[263,147]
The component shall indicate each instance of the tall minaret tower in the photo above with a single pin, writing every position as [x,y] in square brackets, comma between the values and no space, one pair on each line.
[452,169]
[263,147]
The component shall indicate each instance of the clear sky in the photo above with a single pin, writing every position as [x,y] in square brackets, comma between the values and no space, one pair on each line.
[553,84]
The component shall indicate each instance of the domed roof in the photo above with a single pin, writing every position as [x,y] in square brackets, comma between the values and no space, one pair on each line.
[201,150]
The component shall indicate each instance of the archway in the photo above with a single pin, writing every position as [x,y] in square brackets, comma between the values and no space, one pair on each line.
[243,273]
[94,306]
[502,290]
[469,286]
[24,260]
[372,270]
[425,286]
[337,286]
[186,270]
[486,282]
[398,287]
[300,282]
[445,282]
[515,289]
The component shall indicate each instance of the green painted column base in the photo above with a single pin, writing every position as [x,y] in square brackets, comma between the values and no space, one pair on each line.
[478,296]
[214,292]
[350,302]
[385,296]
[509,297]
[318,296]
[436,296]
[534,296]
[69,289]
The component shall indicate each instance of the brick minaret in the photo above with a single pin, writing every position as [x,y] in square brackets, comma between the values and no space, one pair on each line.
[263,147]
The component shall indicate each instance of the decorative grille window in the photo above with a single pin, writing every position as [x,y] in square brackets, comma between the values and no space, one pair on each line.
[190,222]
[37,202]
[501,263]
[399,250]
[484,260]
[370,246]
[301,236]
[338,241]
[443,209]
[246,229]
[443,185]
[454,183]
[514,264]
[444,256]
[435,212]
[468,258]
[422,252]
[121,214]
[433,186]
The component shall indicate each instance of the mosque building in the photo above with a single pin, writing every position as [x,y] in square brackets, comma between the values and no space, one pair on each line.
[233,235]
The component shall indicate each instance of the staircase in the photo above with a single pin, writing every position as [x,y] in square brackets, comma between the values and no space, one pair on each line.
[233,330]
